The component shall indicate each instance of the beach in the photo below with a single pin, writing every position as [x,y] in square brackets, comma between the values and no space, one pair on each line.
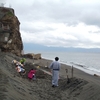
[81,86]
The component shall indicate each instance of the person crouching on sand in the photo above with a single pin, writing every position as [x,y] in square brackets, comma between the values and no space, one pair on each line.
[22,61]
[55,66]
[20,70]
[31,74]
[15,62]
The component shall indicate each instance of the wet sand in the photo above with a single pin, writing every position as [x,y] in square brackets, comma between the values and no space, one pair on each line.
[81,86]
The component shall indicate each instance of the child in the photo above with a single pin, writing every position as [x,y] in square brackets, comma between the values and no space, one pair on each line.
[31,74]
[15,62]
[22,61]
[20,70]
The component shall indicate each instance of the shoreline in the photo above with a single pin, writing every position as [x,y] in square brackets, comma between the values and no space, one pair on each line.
[90,65]
[88,71]
[77,72]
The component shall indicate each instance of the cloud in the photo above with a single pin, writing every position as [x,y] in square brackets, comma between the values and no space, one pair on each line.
[63,23]
[2,2]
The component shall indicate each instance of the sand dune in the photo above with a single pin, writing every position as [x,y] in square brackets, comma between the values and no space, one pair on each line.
[15,87]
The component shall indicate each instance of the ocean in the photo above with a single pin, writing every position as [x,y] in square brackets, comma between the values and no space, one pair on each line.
[87,62]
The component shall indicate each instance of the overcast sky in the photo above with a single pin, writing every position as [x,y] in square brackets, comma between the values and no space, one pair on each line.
[63,23]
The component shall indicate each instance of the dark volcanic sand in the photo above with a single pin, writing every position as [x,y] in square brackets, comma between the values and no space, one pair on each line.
[15,87]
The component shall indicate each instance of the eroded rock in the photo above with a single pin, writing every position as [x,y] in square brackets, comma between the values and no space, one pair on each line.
[10,37]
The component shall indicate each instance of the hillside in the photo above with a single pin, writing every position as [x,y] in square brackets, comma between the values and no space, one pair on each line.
[15,87]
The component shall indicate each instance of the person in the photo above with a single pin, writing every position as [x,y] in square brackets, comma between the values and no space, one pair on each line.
[19,67]
[55,67]
[15,62]
[31,74]
[20,70]
[22,61]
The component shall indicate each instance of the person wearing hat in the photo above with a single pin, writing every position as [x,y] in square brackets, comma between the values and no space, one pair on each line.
[55,66]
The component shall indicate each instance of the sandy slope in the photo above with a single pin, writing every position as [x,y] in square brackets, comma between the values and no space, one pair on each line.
[15,87]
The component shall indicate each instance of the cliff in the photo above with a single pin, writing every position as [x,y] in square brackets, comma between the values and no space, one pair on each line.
[10,37]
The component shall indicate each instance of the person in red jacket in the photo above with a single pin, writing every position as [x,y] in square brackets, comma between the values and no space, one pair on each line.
[31,74]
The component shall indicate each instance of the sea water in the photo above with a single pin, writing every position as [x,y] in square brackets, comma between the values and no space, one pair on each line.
[87,62]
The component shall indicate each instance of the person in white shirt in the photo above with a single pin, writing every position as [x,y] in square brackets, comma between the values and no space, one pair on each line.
[20,70]
[55,66]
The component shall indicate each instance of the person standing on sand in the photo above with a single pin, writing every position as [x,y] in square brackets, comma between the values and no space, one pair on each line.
[55,66]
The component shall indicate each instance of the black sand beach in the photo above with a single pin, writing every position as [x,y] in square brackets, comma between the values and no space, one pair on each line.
[15,87]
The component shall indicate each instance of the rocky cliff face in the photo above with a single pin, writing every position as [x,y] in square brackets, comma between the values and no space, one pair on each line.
[10,37]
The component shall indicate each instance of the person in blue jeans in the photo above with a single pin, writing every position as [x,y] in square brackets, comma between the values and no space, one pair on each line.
[55,67]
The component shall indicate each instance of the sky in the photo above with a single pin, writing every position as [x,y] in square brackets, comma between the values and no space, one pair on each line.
[58,23]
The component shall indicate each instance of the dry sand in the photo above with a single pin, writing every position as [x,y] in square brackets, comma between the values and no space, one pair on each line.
[15,87]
